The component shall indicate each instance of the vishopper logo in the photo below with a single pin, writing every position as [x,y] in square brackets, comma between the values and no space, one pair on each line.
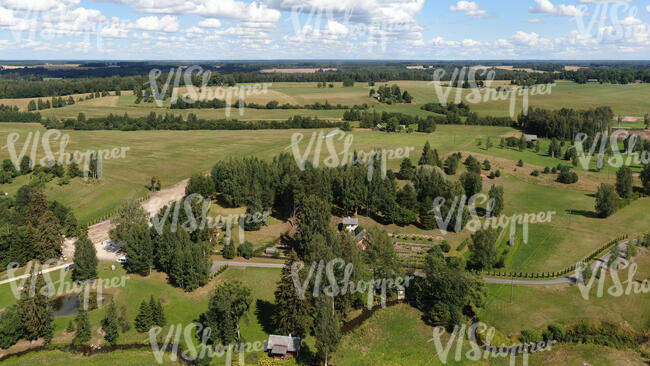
[89,161]
[618,287]
[600,144]
[486,351]
[345,156]
[344,286]
[196,352]
[85,289]
[610,21]
[481,89]
[333,22]
[196,74]
[476,223]
[204,220]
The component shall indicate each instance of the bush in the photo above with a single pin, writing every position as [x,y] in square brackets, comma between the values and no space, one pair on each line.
[520,163]
[529,335]
[546,170]
[445,246]
[497,173]
[246,250]
[229,251]
[535,173]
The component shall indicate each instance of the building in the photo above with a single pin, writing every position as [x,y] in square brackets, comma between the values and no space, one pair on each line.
[350,223]
[378,127]
[279,347]
[530,138]
[593,81]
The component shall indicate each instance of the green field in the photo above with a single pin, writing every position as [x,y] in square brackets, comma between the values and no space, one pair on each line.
[626,100]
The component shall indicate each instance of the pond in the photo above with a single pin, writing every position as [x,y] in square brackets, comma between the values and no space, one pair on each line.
[69,304]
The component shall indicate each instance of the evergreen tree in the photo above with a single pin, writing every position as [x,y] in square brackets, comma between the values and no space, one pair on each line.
[254,207]
[407,198]
[129,214]
[85,260]
[472,183]
[606,200]
[496,195]
[429,156]
[624,182]
[327,330]
[109,324]
[406,169]
[158,313]
[292,314]
[83,328]
[483,253]
[139,250]
[11,327]
[645,179]
[228,303]
[144,320]
[26,165]
[34,307]
[451,165]
[50,238]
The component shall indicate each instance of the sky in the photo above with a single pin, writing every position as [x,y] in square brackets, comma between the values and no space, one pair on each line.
[324,29]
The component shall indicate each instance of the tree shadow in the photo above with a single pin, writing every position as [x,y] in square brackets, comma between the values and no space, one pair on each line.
[585,213]
[263,311]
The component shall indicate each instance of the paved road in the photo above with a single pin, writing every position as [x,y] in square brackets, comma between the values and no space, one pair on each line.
[217,264]
[51,269]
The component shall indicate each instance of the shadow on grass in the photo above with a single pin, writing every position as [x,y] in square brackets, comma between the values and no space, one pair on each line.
[585,213]
[263,311]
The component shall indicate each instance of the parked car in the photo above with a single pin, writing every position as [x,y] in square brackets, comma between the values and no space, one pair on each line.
[68,268]
[122,260]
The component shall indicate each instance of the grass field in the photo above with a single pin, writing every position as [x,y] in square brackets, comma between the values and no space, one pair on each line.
[180,307]
[627,100]
[175,155]
[397,336]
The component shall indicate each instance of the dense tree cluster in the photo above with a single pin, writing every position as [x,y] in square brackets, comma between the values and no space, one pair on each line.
[33,228]
[391,94]
[176,122]
[13,114]
[566,123]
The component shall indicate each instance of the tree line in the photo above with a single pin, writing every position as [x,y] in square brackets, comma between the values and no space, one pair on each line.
[170,121]
[13,114]
[273,104]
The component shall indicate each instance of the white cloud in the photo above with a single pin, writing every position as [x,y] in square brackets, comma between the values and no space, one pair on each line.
[166,23]
[629,21]
[647,8]
[39,5]
[440,42]
[546,7]
[334,27]
[210,23]
[470,43]
[535,20]
[604,1]
[237,10]
[470,8]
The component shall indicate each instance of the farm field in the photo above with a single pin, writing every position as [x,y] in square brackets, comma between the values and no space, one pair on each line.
[626,100]
[174,155]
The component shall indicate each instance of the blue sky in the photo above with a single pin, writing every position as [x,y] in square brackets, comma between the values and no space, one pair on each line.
[331,29]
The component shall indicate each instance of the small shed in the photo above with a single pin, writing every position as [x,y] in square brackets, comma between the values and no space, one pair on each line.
[378,127]
[279,347]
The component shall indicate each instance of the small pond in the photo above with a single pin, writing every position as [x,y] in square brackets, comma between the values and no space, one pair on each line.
[69,304]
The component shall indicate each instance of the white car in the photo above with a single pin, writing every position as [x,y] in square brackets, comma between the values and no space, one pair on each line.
[122,260]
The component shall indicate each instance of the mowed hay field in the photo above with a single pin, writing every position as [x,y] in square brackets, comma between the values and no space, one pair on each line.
[397,336]
[176,155]
[627,100]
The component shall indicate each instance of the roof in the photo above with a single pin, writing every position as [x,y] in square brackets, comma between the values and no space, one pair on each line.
[350,221]
[360,236]
[282,344]
[530,137]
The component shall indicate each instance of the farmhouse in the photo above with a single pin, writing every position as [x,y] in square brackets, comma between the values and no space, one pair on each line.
[279,347]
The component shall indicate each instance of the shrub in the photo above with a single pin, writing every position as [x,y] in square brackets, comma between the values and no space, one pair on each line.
[497,173]
[445,246]
[535,173]
[520,163]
